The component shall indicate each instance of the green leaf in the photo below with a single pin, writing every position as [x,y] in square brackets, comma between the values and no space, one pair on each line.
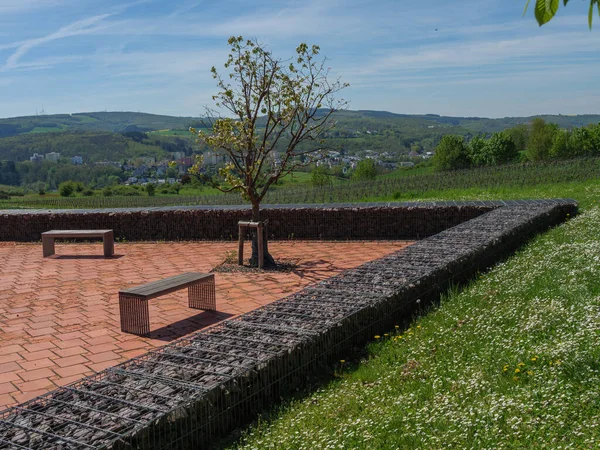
[545,10]
[591,14]
[526,6]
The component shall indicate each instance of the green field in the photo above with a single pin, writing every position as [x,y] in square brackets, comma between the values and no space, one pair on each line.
[509,182]
[511,361]
[46,130]
[170,133]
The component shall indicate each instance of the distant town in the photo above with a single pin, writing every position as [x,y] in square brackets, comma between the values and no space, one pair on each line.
[146,169]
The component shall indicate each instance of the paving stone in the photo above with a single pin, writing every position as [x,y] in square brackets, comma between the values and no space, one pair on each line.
[70,318]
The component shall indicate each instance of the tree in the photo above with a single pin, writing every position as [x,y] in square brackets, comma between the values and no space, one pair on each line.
[546,9]
[320,177]
[171,172]
[540,139]
[451,153]
[519,134]
[500,149]
[365,170]
[274,104]
[476,151]
[560,144]
[66,188]
[150,189]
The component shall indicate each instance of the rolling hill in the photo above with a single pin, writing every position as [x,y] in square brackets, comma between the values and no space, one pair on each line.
[107,135]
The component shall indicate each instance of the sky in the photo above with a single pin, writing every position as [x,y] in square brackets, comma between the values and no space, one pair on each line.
[459,58]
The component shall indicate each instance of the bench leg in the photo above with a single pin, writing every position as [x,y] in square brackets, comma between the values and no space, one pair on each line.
[109,244]
[201,295]
[47,246]
[134,315]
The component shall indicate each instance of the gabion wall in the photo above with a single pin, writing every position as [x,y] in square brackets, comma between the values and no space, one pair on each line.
[337,222]
[189,393]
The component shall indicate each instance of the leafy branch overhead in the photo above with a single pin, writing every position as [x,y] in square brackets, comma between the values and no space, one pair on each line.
[271,106]
[546,9]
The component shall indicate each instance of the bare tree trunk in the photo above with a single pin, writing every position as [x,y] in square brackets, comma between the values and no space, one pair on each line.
[269,261]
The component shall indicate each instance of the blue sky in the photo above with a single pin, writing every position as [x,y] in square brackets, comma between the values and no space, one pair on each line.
[467,57]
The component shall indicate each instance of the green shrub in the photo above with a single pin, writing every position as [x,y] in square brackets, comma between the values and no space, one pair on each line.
[476,151]
[126,191]
[560,144]
[451,154]
[365,170]
[540,139]
[319,177]
[500,149]
[66,188]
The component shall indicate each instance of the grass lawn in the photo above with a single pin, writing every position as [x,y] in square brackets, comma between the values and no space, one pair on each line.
[587,193]
[510,361]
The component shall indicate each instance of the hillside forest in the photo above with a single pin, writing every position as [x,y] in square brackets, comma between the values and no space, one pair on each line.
[108,148]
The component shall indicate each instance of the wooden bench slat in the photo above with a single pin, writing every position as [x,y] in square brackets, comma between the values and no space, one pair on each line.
[69,233]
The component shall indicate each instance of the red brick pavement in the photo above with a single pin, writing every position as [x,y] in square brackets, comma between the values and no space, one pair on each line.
[59,316]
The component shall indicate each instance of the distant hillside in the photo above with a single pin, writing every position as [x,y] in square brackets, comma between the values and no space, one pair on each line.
[101,136]
[115,122]
[93,146]
[118,122]
[482,124]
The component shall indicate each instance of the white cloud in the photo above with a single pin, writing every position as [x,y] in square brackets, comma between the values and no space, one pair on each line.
[86,26]
[528,51]
[169,65]
[83,26]
[20,6]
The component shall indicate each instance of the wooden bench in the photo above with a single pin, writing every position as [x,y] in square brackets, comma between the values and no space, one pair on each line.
[107,236]
[133,302]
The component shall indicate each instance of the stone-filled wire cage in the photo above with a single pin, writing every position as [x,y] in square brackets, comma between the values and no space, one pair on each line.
[192,392]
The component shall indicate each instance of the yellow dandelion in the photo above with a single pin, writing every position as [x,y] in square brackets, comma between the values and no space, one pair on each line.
[505,368]
[396,327]
[342,361]
[377,336]
[386,335]
[557,362]
[534,358]
[516,378]
[530,372]
[521,364]
[418,326]
[517,370]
